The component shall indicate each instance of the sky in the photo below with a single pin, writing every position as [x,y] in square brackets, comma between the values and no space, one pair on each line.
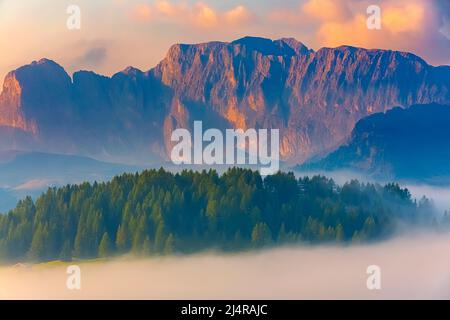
[115,34]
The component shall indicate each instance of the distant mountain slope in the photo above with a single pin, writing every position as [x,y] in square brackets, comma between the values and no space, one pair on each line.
[18,167]
[313,97]
[31,173]
[411,143]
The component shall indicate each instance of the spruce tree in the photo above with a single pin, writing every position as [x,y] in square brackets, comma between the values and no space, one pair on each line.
[105,247]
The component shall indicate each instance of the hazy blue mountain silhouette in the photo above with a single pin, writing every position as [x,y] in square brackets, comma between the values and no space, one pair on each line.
[411,143]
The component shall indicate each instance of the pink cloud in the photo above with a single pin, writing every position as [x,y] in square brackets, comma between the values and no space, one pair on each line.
[419,26]
[143,12]
[238,15]
[199,15]
[204,16]
[170,10]
[327,10]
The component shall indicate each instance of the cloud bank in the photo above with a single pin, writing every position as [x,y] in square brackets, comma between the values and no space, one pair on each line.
[413,267]
[199,14]
[419,26]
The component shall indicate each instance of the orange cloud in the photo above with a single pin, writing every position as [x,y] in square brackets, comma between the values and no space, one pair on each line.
[413,25]
[352,32]
[143,12]
[399,20]
[168,9]
[238,15]
[327,10]
[199,15]
[410,17]
[296,18]
[419,26]
[204,16]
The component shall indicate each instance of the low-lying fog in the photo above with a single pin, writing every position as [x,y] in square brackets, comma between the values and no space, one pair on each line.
[413,266]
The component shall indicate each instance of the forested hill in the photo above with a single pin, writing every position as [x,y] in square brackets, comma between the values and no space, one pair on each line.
[158,212]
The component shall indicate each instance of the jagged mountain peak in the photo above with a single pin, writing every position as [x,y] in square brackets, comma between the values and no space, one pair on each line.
[265,46]
[88,75]
[45,61]
[42,66]
[299,47]
[34,94]
[131,71]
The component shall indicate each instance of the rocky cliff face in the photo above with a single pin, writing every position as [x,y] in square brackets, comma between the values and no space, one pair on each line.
[314,98]
[117,118]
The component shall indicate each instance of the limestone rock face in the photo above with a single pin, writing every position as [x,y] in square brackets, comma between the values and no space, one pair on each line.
[35,95]
[314,98]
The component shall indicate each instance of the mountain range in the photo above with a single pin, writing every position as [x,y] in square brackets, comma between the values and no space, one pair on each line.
[315,98]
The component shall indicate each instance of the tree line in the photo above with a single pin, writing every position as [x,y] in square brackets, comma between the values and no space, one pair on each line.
[158,212]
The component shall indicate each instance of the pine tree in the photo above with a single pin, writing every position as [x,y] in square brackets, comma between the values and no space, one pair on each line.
[139,235]
[160,238]
[146,247]
[39,242]
[66,251]
[339,233]
[261,235]
[121,239]
[105,247]
[169,246]
[80,245]
[282,235]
